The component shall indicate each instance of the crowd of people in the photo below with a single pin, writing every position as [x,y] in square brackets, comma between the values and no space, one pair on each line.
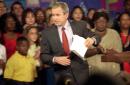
[35,46]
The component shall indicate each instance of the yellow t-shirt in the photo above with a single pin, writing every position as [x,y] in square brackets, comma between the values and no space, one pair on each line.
[20,68]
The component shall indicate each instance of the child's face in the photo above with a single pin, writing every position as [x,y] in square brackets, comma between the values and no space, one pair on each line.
[22,47]
[30,19]
[32,35]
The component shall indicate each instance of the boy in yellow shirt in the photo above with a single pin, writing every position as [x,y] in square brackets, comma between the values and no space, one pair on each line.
[20,68]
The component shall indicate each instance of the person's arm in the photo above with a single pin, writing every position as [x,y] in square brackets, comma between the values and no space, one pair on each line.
[37,56]
[91,52]
[88,33]
[116,57]
[123,56]
[47,56]
[94,51]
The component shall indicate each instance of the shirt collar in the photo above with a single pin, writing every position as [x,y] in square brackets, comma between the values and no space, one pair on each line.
[18,54]
[66,26]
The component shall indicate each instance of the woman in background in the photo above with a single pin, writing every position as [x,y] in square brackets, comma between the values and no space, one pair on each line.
[124,31]
[89,17]
[40,18]
[28,19]
[110,39]
[10,35]
[17,9]
[77,16]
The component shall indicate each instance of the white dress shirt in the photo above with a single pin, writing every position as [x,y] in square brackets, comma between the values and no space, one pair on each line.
[68,31]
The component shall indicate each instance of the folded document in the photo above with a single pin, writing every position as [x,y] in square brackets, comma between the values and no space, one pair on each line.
[78,46]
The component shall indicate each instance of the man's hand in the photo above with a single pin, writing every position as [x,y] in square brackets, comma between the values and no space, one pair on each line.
[89,42]
[62,60]
[100,49]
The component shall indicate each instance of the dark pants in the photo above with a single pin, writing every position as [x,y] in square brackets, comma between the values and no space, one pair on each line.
[13,82]
[65,77]
[50,76]
[1,80]
[41,78]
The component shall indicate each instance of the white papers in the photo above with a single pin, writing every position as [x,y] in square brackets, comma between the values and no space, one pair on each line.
[78,46]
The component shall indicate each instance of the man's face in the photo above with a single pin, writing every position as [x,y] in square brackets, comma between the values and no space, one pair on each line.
[22,47]
[59,16]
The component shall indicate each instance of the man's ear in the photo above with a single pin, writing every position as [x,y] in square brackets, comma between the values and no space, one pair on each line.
[67,15]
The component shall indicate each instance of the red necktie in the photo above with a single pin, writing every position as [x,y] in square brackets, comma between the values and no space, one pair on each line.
[65,43]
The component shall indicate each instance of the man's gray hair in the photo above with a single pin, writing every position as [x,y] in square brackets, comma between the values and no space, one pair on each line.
[63,5]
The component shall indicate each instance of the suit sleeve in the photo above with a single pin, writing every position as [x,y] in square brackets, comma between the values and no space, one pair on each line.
[46,56]
[89,33]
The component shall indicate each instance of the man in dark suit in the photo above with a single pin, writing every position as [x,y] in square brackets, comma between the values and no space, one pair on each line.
[55,44]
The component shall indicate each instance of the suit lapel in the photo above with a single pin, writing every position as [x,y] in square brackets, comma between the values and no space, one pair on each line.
[73,28]
[57,40]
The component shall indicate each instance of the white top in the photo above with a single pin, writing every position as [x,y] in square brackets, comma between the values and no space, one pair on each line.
[2,56]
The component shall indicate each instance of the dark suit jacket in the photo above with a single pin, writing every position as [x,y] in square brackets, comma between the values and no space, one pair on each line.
[51,46]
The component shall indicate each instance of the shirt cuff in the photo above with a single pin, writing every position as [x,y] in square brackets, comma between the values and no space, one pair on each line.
[95,42]
[53,60]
